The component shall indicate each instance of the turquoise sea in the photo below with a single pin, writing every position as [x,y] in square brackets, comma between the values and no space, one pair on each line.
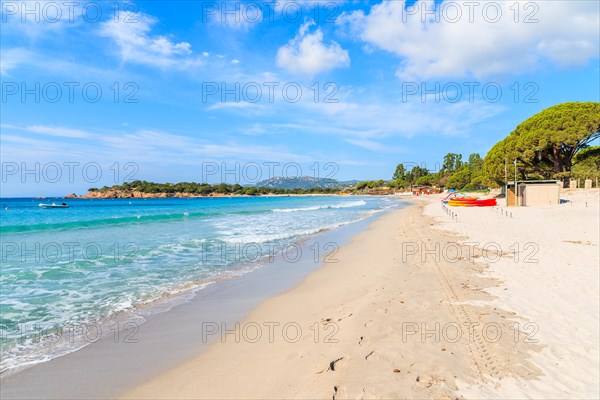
[68,275]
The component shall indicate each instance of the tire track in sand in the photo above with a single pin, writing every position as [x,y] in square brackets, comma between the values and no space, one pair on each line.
[477,346]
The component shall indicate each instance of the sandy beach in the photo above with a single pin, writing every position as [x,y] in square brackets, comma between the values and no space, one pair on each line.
[549,276]
[300,200]
[422,305]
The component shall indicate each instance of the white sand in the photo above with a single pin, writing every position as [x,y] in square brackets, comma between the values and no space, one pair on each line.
[557,290]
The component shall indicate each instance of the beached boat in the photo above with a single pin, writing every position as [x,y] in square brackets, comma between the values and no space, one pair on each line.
[454,196]
[471,202]
[53,205]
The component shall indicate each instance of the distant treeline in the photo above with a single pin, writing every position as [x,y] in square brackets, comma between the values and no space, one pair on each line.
[204,189]
[454,173]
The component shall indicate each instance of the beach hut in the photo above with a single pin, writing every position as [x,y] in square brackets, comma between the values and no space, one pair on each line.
[533,193]
[418,190]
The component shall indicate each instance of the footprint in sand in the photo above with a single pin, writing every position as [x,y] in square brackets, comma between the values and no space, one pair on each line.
[339,392]
[333,365]
[326,321]
[347,316]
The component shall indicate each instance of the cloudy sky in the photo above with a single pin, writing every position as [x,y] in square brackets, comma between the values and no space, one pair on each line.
[97,92]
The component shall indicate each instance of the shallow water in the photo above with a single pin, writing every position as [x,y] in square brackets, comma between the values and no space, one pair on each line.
[79,271]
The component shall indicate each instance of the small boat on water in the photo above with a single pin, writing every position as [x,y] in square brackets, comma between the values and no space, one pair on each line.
[53,205]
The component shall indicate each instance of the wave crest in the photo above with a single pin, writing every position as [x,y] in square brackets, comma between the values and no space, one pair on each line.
[345,204]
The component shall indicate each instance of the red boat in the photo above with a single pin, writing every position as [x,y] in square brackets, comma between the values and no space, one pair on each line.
[471,202]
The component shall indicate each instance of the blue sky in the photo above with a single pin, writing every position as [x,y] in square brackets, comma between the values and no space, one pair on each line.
[380,83]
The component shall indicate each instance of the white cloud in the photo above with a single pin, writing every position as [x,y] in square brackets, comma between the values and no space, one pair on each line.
[367,122]
[148,144]
[145,147]
[254,130]
[234,105]
[137,45]
[57,131]
[566,33]
[235,61]
[165,147]
[375,121]
[307,54]
[12,58]
[43,18]
[48,130]
[46,63]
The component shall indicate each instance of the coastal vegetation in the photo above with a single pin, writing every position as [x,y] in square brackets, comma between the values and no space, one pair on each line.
[150,189]
[552,144]
[586,164]
[549,145]
[454,173]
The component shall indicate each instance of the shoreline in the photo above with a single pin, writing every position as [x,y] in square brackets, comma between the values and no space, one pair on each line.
[410,321]
[39,380]
[399,314]
[375,314]
[63,338]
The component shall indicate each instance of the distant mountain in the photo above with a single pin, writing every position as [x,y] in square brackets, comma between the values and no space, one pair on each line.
[304,182]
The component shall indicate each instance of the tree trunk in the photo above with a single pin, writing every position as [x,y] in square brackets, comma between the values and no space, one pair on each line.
[557,161]
[568,164]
